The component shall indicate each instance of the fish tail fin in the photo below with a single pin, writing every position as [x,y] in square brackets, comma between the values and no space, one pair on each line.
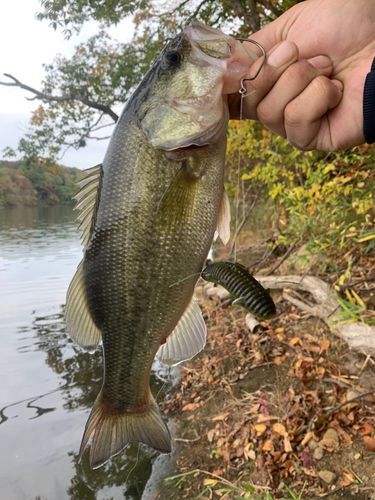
[113,431]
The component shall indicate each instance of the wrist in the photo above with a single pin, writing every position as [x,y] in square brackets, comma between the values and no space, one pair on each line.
[369,106]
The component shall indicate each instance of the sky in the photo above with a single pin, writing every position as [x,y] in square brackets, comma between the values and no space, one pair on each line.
[25,44]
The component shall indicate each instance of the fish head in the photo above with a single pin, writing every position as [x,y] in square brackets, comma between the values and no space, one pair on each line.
[186,107]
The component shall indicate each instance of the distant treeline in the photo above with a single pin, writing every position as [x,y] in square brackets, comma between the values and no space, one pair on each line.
[33,185]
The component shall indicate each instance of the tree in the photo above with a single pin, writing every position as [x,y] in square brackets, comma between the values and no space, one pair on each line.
[79,96]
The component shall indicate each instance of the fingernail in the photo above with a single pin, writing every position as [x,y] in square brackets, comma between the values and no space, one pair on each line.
[338,84]
[284,53]
[320,62]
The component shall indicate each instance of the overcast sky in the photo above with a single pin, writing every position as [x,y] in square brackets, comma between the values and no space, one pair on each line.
[25,44]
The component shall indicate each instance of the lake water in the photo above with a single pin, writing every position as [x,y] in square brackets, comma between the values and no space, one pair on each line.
[48,384]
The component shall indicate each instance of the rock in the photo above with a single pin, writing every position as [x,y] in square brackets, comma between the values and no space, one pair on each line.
[331,434]
[327,476]
[318,453]
[330,441]
[313,444]
[281,486]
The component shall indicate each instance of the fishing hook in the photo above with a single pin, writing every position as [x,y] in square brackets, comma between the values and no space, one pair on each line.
[243,89]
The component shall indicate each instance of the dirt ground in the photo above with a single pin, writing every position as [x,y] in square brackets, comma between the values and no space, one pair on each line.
[260,412]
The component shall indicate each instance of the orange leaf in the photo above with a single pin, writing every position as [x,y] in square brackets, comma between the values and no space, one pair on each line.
[369,443]
[268,445]
[279,429]
[294,341]
[260,428]
[365,429]
[279,359]
[190,407]
[222,416]
[349,478]
[325,344]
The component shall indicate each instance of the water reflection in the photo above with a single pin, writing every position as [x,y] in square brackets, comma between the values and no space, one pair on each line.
[48,383]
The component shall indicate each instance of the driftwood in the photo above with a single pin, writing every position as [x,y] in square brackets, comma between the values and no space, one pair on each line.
[358,335]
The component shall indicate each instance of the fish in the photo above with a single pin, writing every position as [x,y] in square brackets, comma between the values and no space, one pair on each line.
[148,215]
[247,291]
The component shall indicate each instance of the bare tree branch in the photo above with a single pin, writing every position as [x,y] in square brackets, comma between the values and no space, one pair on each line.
[66,97]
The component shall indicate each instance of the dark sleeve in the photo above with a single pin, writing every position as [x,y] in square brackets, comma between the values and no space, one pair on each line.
[369,106]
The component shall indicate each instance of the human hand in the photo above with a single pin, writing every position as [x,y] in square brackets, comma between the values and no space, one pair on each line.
[315,104]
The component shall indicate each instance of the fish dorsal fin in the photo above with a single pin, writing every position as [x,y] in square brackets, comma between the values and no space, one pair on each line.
[81,326]
[223,221]
[187,339]
[88,201]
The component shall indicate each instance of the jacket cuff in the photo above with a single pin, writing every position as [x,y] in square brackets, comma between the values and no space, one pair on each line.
[369,106]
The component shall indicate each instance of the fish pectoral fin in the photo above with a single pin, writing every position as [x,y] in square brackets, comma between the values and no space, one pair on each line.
[187,339]
[81,326]
[176,206]
[112,432]
[223,221]
[88,201]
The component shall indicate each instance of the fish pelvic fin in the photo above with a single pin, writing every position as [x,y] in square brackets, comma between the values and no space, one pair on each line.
[187,339]
[223,222]
[111,432]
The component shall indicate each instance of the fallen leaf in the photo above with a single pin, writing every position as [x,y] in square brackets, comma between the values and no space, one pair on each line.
[287,445]
[325,344]
[279,429]
[329,445]
[191,407]
[268,445]
[348,479]
[279,359]
[307,438]
[222,416]
[210,435]
[365,429]
[369,443]
[209,482]
[260,428]
[294,341]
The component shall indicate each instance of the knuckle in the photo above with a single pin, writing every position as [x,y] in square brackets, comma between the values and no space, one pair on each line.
[293,114]
[266,112]
[300,70]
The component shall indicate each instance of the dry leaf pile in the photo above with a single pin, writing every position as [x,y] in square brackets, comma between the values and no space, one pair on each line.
[279,406]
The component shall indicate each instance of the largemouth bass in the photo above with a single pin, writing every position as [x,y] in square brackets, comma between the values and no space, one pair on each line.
[148,215]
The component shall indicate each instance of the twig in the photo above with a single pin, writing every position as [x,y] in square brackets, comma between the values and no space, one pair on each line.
[187,440]
[308,270]
[66,97]
[246,216]
[338,382]
[357,398]
[283,258]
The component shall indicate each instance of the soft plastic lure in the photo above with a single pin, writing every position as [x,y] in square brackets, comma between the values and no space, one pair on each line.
[247,291]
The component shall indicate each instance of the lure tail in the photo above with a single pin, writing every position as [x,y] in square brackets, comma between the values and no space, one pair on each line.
[112,431]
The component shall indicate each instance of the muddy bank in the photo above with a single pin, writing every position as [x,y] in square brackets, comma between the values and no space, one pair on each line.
[263,412]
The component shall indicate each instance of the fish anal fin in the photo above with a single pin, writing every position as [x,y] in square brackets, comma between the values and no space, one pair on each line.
[176,207]
[81,326]
[111,432]
[187,339]
[88,198]
[223,221]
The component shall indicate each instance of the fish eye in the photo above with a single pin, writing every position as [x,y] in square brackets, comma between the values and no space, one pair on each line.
[174,58]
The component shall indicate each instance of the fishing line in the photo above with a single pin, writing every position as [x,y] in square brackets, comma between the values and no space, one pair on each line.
[135,465]
[243,93]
